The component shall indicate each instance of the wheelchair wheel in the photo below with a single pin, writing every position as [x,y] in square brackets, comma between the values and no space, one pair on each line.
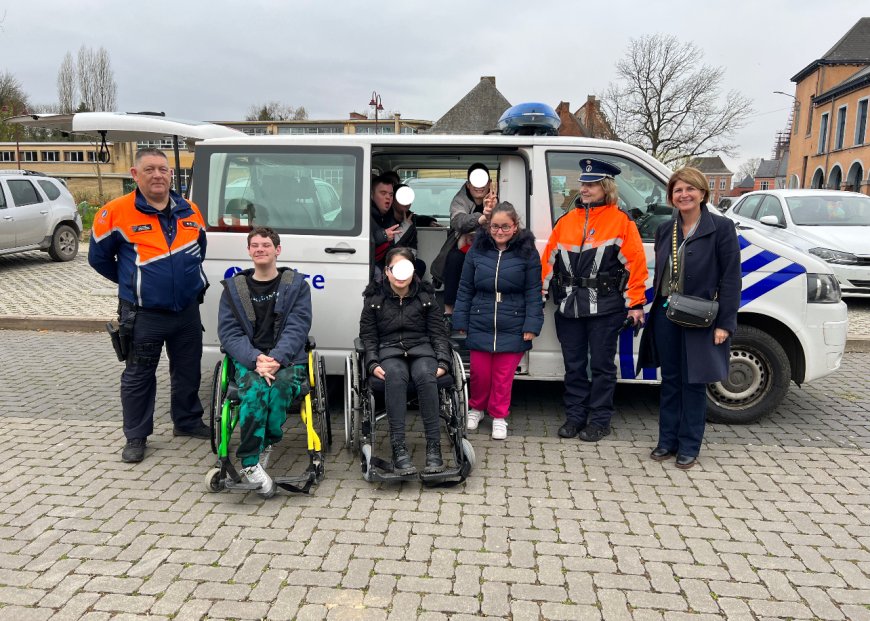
[461,385]
[348,403]
[324,428]
[213,481]
[218,394]
[468,453]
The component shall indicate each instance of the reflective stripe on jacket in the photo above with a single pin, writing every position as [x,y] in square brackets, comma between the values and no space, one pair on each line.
[155,257]
[596,242]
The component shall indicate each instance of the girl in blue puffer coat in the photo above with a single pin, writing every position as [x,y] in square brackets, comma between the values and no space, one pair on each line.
[499,307]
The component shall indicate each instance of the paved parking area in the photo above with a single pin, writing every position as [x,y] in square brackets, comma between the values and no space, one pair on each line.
[775,524]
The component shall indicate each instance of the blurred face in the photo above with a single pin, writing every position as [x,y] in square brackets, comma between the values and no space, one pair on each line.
[478,193]
[686,197]
[398,284]
[153,175]
[591,192]
[262,251]
[502,228]
[382,196]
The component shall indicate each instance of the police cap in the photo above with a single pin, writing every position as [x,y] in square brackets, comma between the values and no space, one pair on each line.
[596,170]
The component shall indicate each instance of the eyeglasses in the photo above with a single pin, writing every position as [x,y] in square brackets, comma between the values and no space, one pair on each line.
[504,228]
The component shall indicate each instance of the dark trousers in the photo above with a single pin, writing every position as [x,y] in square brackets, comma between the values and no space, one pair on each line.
[452,274]
[182,333]
[682,406]
[588,351]
[397,373]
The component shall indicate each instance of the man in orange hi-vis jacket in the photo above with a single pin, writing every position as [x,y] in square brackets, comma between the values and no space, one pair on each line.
[593,262]
[152,243]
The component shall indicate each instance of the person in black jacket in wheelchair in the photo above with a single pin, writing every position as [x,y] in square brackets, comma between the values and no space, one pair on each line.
[405,340]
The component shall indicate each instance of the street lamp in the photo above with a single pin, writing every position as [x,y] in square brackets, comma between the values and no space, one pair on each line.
[376,104]
[786,94]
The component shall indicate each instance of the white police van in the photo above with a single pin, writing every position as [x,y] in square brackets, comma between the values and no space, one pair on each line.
[314,191]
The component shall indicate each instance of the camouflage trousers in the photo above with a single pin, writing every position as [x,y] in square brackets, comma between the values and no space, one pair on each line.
[263,409]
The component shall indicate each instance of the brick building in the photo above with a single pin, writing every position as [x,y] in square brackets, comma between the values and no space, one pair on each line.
[718,176]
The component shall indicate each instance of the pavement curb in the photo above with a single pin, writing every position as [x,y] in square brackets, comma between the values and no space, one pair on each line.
[854,344]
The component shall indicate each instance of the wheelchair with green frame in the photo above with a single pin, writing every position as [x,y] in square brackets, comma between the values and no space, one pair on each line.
[313,409]
[365,422]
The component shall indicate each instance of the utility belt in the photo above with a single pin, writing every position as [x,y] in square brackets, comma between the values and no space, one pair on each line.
[603,282]
[122,334]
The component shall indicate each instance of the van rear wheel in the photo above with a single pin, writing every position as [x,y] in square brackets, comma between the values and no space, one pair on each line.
[758,379]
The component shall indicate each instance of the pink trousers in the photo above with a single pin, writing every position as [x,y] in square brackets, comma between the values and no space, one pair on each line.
[492,378]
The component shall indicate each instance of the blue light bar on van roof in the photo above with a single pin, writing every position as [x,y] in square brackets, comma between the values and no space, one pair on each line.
[529,119]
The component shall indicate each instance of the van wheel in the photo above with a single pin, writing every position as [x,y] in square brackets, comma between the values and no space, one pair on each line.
[758,379]
[64,244]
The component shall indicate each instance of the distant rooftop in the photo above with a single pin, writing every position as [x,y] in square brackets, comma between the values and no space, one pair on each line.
[852,49]
[710,165]
[476,113]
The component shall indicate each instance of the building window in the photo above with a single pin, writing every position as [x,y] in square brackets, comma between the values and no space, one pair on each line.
[823,133]
[185,180]
[7,156]
[712,184]
[51,156]
[164,144]
[29,156]
[722,183]
[841,128]
[861,122]
[74,156]
[256,131]
[92,156]
[765,185]
[797,118]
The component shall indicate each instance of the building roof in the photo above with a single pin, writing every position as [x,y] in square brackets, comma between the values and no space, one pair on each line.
[856,81]
[746,182]
[476,113]
[710,165]
[767,169]
[852,49]
[782,171]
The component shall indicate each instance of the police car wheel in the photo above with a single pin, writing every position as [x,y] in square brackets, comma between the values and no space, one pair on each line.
[758,379]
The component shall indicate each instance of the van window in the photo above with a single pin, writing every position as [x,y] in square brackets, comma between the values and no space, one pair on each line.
[23,192]
[641,194]
[434,190]
[311,191]
[49,188]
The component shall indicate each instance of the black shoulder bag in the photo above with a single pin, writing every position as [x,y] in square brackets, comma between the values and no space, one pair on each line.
[687,310]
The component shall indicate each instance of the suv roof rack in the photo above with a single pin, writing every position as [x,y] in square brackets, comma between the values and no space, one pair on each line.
[35,173]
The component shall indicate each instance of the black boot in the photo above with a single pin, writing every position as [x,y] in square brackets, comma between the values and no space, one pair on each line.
[434,463]
[402,463]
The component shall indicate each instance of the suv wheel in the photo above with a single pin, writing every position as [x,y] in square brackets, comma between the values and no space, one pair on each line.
[64,244]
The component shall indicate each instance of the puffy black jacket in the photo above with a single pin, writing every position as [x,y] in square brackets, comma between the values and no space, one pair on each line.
[412,326]
[500,294]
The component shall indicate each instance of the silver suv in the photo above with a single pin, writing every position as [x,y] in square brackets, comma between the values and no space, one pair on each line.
[37,212]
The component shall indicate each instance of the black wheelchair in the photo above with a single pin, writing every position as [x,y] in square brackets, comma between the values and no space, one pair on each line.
[364,410]
[313,409]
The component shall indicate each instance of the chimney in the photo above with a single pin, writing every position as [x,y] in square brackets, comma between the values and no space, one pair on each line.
[356,116]
[488,78]
[563,106]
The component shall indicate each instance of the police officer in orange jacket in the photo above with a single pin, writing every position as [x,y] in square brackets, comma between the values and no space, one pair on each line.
[593,261]
[152,243]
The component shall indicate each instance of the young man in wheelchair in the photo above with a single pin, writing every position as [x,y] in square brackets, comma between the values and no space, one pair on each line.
[405,340]
[263,325]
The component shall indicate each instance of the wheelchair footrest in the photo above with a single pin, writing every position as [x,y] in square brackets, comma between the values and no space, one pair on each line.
[242,486]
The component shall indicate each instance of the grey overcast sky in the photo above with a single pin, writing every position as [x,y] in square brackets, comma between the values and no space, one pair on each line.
[211,60]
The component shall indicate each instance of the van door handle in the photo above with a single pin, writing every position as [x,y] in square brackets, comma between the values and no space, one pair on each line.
[44,212]
[8,218]
[340,250]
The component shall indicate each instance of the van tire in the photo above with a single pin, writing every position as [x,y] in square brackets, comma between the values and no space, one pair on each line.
[64,243]
[758,379]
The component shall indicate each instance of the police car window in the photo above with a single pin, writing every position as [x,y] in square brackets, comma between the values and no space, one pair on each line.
[434,189]
[770,207]
[23,192]
[309,192]
[748,206]
[641,194]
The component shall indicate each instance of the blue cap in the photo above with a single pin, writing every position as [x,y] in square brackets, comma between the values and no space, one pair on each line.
[596,170]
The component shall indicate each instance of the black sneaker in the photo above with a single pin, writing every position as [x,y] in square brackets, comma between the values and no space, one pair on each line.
[570,429]
[593,433]
[434,462]
[402,463]
[199,431]
[134,451]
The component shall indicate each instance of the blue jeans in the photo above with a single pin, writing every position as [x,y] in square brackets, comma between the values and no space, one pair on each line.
[683,406]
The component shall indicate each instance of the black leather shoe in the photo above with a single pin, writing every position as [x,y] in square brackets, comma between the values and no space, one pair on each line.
[402,463]
[570,429]
[684,462]
[434,462]
[661,454]
[199,431]
[593,433]
[134,451]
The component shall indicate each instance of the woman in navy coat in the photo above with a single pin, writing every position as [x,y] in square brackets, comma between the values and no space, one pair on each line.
[690,358]
[499,306]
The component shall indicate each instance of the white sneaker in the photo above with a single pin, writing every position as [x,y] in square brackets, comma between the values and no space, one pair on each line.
[265,455]
[499,429]
[473,420]
[256,474]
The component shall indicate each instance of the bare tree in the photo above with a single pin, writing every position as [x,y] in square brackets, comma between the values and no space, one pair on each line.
[87,83]
[66,85]
[13,101]
[276,111]
[668,104]
[748,168]
[97,87]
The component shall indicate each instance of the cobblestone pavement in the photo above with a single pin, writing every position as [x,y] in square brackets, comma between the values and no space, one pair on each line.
[774,523]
